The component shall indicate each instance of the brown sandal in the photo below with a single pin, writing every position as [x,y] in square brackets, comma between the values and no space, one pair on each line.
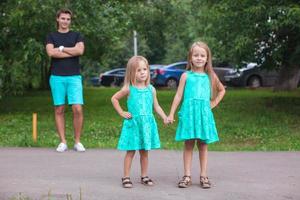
[185,182]
[146,181]
[204,182]
[126,182]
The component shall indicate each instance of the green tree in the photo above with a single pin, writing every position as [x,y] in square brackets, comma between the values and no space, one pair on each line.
[22,48]
[267,32]
[25,24]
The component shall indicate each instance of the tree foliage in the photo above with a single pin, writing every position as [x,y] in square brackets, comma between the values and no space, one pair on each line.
[266,31]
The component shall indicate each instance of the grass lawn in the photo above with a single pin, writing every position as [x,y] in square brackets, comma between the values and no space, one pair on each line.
[246,120]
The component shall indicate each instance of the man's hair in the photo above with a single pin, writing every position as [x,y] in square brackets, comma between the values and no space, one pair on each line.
[65,11]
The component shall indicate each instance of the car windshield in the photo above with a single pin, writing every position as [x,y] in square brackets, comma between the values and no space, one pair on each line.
[180,65]
[116,71]
[248,65]
[156,66]
[120,72]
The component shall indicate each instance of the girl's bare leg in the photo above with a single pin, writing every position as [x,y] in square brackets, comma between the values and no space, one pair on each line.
[202,147]
[127,162]
[144,162]
[187,156]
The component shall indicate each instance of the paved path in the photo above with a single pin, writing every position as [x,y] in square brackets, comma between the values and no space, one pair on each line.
[40,173]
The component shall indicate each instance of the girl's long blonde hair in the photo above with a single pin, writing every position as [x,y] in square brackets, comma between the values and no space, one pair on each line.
[132,65]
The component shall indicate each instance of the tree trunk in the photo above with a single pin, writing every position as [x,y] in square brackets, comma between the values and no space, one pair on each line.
[288,78]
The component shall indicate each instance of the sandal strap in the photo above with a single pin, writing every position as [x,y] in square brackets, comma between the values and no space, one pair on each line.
[126,180]
[146,180]
[185,180]
[204,180]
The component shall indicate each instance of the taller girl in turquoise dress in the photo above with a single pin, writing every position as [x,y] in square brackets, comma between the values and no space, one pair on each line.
[139,131]
[201,91]
[196,120]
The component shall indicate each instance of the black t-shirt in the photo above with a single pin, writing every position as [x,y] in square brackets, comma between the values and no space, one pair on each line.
[64,66]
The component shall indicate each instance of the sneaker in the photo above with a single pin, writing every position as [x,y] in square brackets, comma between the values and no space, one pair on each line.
[79,147]
[62,147]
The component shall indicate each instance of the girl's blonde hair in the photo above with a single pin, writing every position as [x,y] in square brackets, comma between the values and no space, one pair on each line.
[132,65]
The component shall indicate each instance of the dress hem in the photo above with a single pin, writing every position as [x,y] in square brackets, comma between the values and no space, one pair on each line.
[197,138]
[146,149]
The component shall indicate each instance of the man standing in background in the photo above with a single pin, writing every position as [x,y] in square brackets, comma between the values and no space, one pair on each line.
[64,47]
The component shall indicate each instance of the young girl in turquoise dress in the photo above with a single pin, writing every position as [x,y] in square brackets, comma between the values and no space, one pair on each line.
[139,131]
[201,90]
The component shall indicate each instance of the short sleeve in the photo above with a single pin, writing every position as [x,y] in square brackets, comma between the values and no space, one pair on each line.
[49,39]
[79,38]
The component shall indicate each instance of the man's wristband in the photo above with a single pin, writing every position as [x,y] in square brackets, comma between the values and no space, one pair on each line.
[61,48]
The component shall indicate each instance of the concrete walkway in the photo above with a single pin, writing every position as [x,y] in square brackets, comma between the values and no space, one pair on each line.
[39,173]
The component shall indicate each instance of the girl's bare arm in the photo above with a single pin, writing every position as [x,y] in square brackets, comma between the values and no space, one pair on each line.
[157,107]
[115,101]
[220,94]
[178,97]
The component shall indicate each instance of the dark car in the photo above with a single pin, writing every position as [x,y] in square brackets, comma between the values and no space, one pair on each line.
[114,77]
[169,75]
[251,75]
[94,81]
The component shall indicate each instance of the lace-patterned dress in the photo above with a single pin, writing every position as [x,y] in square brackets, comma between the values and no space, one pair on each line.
[140,132]
[196,120]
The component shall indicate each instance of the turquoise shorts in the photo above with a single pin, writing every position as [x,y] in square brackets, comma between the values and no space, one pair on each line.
[66,86]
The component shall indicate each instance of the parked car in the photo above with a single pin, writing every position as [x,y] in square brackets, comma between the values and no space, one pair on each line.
[169,75]
[222,69]
[114,77]
[153,73]
[251,75]
[94,81]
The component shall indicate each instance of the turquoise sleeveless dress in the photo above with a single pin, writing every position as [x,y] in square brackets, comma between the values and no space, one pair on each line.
[196,120]
[140,132]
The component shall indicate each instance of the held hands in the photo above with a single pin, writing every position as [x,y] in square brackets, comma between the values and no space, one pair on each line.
[126,115]
[167,120]
[170,119]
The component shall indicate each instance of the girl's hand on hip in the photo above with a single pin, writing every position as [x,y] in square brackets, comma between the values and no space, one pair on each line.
[213,104]
[126,115]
